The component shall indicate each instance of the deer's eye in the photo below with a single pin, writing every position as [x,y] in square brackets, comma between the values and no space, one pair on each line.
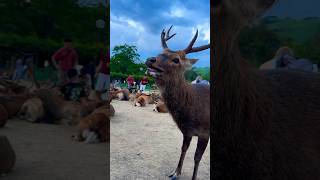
[176,60]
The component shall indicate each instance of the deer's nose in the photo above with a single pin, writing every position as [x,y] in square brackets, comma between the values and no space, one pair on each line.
[150,61]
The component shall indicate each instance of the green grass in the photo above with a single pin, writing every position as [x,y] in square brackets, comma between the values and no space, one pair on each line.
[297,30]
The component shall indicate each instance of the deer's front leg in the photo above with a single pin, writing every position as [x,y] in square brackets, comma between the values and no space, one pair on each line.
[185,146]
[201,147]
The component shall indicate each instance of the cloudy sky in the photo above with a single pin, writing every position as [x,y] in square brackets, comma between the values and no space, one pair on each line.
[296,8]
[140,22]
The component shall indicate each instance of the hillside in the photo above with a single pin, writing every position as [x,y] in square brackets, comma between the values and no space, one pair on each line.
[299,30]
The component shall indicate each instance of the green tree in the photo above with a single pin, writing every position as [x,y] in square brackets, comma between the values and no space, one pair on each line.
[311,49]
[125,59]
[40,26]
[258,44]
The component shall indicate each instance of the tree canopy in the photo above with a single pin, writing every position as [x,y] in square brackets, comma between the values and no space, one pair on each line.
[41,25]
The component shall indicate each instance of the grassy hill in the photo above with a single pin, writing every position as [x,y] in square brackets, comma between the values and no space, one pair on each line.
[259,43]
[299,30]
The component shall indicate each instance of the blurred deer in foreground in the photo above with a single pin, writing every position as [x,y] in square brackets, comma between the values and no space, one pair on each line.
[188,104]
[266,122]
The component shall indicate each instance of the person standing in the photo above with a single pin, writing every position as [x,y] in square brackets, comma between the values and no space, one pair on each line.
[89,71]
[130,81]
[20,69]
[103,73]
[65,59]
[143,83]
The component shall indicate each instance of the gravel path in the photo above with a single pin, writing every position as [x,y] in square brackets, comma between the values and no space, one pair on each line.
[46,152]
[146,145]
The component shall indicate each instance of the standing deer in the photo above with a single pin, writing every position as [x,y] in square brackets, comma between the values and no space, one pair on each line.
[188,104]
[266,123]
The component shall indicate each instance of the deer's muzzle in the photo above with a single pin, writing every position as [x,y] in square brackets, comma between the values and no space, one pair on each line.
[153,69]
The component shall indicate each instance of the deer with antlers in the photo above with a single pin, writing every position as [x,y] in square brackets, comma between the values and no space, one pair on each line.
[188,104]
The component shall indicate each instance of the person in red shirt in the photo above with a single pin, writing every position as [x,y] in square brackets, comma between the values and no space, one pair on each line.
[65,59]
[103,73]
[143,83]
[130,81]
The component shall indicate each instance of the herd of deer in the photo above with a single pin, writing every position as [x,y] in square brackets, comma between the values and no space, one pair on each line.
[140,99]
[46,104]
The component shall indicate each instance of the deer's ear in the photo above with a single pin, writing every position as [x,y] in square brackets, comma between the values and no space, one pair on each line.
[193,61]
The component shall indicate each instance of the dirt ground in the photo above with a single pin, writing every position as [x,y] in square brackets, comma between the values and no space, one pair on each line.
[146,145]
[46,152]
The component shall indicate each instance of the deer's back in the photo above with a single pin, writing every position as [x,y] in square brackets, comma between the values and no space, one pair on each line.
[295,124]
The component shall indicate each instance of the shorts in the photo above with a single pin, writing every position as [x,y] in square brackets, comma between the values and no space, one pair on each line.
[103,82]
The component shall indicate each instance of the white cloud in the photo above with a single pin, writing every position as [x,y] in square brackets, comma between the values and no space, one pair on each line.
[140,32]
[132,32]
[177,12]
[204,31]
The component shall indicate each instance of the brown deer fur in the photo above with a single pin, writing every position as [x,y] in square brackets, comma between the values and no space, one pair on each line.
[4,115]
[143,100]
[32,110]
[60,109]
[160,107]
[188,104]
[266,123]
[107,110]
[13,103]
[97,122]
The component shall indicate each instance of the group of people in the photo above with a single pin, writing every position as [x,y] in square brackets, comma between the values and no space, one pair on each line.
[65,60]
[23,65]
[73,81]
[141,86]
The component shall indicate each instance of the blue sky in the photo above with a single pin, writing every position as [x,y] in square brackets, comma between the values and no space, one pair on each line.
[140,22]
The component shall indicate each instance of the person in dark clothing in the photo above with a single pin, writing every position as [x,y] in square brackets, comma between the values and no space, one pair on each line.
[89,71]
[73,90]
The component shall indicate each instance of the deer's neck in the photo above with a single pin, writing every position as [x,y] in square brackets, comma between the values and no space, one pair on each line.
[239,90]
[176,92]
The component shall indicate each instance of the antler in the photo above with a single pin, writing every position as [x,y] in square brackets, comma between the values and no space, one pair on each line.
[191,49]
[165,37]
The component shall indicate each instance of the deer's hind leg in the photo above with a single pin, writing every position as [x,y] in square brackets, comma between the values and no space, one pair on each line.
[201,147]
[184,148]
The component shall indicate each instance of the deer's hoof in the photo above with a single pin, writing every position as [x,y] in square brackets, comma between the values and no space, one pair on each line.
[174,176]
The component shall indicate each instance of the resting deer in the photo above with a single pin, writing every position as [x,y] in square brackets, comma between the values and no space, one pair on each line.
[188,104]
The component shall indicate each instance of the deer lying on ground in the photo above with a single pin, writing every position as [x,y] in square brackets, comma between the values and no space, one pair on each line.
[61,109]
[160,107]
[142,99]
[32,110]
[188,104]
[266,123]
[13,103]
[94,124]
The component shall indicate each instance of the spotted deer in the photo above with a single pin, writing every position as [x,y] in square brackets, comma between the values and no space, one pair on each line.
[188,104]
